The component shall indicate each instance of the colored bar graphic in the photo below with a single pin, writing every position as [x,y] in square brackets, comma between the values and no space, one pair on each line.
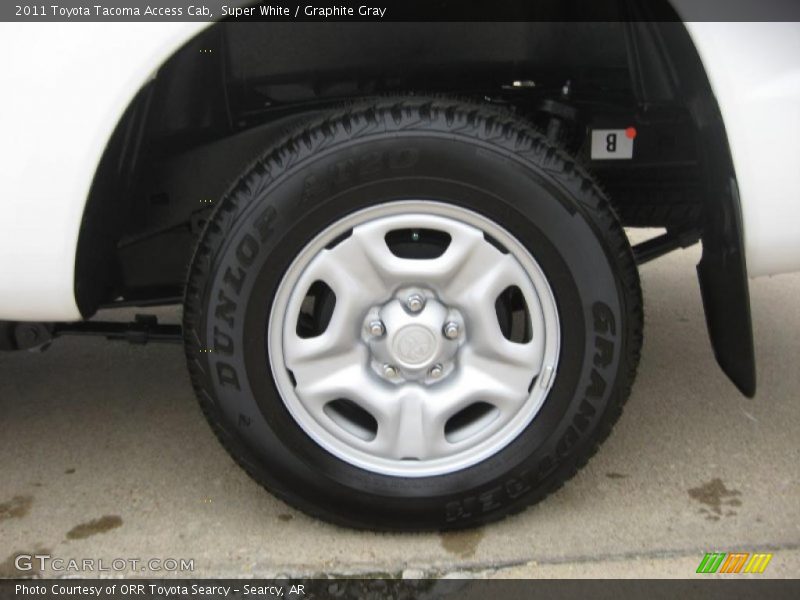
[714,562]
[734,562]
[711,562]
[758,562]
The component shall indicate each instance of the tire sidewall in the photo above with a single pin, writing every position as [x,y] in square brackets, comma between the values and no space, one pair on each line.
[541,208]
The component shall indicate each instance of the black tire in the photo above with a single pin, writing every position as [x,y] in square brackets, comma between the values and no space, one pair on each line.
[471,155]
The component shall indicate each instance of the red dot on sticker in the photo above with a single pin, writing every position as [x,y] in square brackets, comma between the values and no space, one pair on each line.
[630,133]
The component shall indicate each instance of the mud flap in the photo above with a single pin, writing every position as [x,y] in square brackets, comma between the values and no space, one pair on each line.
[722,272]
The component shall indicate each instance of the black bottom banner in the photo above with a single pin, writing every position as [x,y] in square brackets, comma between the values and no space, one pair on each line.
[394,589]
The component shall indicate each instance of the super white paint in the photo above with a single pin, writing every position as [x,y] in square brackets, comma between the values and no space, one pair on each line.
[754,70]
[64,88]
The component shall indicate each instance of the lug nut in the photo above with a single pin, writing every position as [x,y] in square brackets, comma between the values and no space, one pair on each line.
[451,330]
[376,328]
[436,371]
[415,302]
[389,371]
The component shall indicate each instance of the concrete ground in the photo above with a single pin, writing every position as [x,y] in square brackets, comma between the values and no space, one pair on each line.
[106,455]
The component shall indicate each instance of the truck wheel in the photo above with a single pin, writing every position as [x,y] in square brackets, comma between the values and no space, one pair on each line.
[416,314]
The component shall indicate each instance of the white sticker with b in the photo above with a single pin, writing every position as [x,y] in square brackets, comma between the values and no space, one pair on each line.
[609,144]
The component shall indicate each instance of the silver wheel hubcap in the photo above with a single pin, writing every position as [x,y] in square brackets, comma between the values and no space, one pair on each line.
[415,364]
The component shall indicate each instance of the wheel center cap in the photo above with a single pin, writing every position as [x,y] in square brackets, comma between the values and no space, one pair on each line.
[414,345]
[409,343]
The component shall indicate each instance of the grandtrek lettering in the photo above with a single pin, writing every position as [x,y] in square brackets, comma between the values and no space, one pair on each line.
[604,324]
[497,496]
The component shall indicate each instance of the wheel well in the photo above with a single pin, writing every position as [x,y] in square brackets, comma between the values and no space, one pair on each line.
[234,89]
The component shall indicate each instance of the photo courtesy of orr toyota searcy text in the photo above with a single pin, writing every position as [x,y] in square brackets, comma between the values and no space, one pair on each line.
[165,590]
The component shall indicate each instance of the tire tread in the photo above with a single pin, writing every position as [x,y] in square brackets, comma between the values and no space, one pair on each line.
[457,118]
